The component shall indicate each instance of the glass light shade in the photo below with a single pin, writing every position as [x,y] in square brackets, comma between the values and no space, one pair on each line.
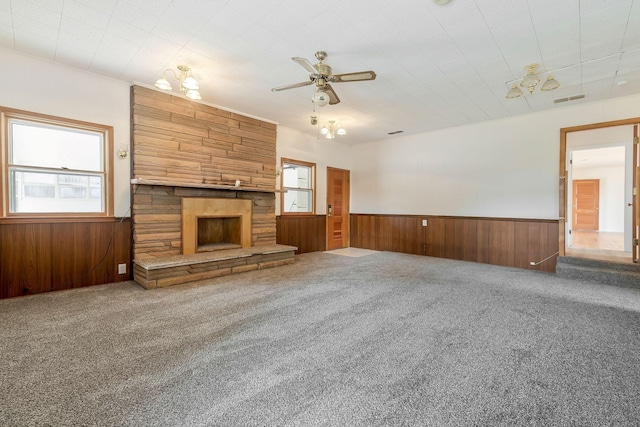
[329,136]
[193,94]
[190,83]
[163,84]
[324,130]
[320,99]
[550,84]
[341,131]
[530,80]
[514,92]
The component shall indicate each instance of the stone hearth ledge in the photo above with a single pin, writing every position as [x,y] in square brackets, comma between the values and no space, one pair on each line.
[168,271]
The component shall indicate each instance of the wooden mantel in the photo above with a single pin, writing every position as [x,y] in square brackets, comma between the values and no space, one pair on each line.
[139,181]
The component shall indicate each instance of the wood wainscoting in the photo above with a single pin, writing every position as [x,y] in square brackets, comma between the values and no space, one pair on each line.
[499,241]
[50,256]
[307,233]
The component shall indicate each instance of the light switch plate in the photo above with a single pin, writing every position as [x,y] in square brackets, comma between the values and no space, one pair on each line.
[122,268]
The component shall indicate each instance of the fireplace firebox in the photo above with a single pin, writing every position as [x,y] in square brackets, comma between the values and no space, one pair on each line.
[216,234]
[215,224]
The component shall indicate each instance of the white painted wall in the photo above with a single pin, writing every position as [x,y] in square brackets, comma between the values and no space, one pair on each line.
[42,86]
[503,168]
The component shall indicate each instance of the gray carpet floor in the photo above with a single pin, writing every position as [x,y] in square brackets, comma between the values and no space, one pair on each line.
[382,340]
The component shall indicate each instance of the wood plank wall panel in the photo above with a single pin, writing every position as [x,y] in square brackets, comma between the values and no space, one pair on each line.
[495,242]
[41,257]
[499,241]
[181,141]
[364,232]
[434,237]
[461,239]
[399,235]
[307,233]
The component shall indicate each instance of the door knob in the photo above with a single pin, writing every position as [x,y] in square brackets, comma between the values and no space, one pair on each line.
[629,204]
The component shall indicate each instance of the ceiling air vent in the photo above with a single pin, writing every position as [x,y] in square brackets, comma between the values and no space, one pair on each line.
[395,132]
[569,98]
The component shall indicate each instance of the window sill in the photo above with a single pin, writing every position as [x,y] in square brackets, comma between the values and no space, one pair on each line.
[57,219]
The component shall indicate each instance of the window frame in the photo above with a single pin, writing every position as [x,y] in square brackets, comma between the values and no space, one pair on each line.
[7,114]
[310,165]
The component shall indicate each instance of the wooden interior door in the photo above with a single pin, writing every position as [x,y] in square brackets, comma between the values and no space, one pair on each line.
[586,204]
[337,208]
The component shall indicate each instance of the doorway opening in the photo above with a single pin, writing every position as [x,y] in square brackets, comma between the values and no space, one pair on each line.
[598,165]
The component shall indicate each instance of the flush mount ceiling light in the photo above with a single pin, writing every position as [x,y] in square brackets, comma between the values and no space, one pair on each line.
[441,2]
[530,80]
[331,129]
[188,85]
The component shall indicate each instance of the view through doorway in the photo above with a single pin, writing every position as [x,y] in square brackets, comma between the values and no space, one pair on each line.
[598,193]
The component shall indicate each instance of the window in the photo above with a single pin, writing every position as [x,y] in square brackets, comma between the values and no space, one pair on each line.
[55,166]
[298,180]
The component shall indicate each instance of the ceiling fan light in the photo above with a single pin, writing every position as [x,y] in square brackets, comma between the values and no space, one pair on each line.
[324,130]
[320,98]
[190,83]
[329,136]
[341,131]
[550,84]
[514,92]
[193,94]
[163,83]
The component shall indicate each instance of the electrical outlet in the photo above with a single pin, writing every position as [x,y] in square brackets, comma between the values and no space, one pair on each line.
[122,268]
[424,222]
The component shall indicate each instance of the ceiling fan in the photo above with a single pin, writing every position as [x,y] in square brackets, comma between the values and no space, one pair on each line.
[321,75]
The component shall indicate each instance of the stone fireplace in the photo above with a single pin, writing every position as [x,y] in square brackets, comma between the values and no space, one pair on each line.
[203,187]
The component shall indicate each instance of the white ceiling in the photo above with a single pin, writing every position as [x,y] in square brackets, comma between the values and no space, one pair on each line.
[437,66]
[599,157]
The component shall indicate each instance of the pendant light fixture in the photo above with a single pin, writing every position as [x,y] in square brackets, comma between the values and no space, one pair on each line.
[331,129]
[530,81]
[189,87]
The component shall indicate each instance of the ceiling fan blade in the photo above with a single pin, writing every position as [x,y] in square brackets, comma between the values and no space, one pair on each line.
[306,64]
[333,98]
[295,85]
[353,77]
